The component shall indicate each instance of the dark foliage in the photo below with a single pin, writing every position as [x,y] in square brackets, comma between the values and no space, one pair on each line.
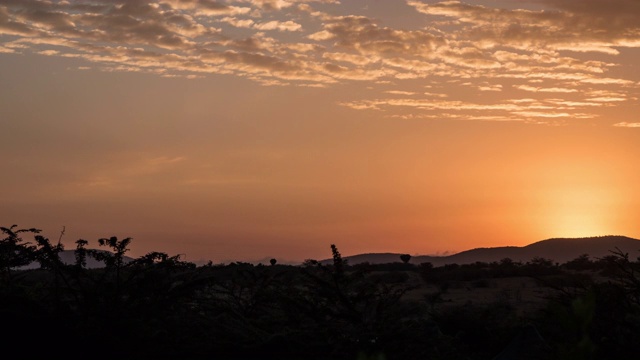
[158,306]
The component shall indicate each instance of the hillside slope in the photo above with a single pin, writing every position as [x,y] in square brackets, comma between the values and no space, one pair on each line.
[559,250]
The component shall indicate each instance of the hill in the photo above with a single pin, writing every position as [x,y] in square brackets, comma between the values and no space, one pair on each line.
[559,250]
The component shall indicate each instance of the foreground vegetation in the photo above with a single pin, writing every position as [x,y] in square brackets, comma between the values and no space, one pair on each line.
[158,306]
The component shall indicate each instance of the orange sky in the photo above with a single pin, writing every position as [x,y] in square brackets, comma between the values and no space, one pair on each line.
[251,129]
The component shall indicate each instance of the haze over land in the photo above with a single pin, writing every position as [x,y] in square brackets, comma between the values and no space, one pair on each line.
[246,129]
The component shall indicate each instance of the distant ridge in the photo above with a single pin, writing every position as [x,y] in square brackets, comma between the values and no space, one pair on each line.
[559,250]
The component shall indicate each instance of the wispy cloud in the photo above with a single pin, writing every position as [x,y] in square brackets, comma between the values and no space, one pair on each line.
[628,124]
[541,89]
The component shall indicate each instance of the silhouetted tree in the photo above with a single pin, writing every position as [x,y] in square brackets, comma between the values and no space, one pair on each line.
[14,251]
[157,306]
[354,308]
[582,262]
[338,263]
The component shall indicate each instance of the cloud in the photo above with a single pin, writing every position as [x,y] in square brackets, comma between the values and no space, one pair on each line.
[241,23]
[566,49]
[48,52]
[9,26]
[490,87]
[400,92]
[625,12]
[270,25]
[363,35]
[525,109]
[569,26]
[627,124]
[607,99]
[270,4]
[358,60]
[206,7]
[534,114]
[279,25]
[540,89]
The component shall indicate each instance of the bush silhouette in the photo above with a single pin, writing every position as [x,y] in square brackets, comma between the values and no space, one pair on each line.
[158,306]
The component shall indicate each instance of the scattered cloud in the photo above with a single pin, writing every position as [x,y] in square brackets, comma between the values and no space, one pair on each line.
[568,49]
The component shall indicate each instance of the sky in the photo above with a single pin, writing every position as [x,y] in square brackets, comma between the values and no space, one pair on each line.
[242,130]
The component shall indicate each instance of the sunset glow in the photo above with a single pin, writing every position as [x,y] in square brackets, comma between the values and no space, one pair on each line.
[581,213]
[249,129]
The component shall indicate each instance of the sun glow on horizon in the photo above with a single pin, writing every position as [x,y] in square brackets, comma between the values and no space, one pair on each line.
[581,212]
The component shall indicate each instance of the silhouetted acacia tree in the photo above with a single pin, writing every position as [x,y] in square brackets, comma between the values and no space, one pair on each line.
[405,258]
[14,251]
[353,307]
